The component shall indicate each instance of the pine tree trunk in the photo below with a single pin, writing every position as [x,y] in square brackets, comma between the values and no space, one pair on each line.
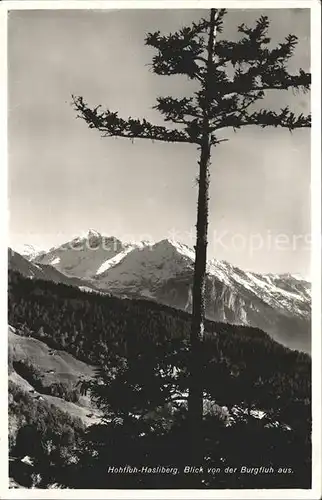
[195,399]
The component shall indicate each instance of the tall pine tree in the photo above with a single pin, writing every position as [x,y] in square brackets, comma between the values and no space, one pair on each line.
[232,76]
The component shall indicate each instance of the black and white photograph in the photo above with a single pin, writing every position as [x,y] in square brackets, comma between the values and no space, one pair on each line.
[159,289]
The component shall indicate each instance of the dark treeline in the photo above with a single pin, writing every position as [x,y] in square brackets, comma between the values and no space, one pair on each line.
[141,352]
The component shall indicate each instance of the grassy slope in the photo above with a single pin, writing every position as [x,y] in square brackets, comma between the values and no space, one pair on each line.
[64,366]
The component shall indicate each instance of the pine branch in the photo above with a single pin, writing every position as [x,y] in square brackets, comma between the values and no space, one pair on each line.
[177,53]
[214,141]
[267,118]
[203,25]
[232,105]
[260,77]
[253,46]
[282,80]
[174,109]
[180,52]
[110,125]
[258,67]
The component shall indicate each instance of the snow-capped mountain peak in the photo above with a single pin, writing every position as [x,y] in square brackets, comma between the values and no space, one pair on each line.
[87,235]
[145,266]
[179,247]
[82,256]
[29,252]
[92,233]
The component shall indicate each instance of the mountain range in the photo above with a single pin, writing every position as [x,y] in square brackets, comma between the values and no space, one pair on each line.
[33,270]
[279,304]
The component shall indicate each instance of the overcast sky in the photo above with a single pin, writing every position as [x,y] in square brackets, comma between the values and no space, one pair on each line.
[65,178]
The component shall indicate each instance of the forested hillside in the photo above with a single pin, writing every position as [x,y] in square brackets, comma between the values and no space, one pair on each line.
[83,323]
